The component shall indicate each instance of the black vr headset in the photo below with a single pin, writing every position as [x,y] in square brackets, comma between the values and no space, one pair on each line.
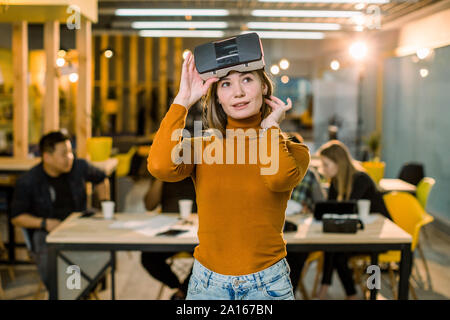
[239,53]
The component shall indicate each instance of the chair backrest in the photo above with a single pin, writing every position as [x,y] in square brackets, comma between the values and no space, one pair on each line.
[412,173]
[406,212]
[123,167]
[423,190]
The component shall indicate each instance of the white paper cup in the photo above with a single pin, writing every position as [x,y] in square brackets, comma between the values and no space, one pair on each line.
[185,207]
[363,209]
[108,209]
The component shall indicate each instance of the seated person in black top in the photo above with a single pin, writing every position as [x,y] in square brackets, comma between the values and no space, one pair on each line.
[50,191]
[348,182]
[167,195]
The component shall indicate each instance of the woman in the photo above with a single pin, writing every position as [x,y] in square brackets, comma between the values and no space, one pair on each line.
[348,182]
[241,251]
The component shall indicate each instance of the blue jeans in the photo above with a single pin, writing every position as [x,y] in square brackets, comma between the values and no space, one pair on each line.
[272,283]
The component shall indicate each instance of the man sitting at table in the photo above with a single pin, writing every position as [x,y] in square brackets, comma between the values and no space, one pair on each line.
[49,192]
[167,195]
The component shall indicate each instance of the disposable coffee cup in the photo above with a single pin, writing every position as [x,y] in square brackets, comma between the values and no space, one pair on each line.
[185,207]
[108,209]
[363,209]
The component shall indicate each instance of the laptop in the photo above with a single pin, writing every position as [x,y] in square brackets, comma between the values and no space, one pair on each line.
[335,207]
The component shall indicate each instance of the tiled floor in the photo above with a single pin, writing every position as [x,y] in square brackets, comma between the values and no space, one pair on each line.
[133,282]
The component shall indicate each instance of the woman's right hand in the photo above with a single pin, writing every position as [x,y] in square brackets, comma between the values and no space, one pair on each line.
[192,87]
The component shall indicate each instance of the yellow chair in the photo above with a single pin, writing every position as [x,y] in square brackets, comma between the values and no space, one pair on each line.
[99,148]
[313,256]
[375,170]
[423,190]
[409,215]
[123,167]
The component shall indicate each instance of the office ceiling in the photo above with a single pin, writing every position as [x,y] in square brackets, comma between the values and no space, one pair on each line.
[240,14]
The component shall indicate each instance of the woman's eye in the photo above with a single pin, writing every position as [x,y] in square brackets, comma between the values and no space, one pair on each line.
[224,84]
[247,79]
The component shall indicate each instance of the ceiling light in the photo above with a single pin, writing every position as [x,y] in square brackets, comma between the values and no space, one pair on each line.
[358,50]
[329,1]
[73,77]
[179,24]
[108,53]
[284,64]
[182,33]
[172,12]
[335,65]
[305,13]
[274,69]
[422,53]
[424,73]
[293,26]
[60,62]
[359,20]
[288,35]
[285,79]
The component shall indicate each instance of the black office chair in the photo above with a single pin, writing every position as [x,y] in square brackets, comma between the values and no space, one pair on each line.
[412,172]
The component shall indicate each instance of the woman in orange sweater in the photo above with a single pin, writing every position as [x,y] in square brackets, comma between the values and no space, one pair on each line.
[241,200]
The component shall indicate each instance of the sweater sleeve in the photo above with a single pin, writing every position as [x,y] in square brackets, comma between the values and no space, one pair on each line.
[165,160]
[288,167]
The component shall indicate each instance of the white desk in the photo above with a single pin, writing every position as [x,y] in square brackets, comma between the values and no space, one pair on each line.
[388,185]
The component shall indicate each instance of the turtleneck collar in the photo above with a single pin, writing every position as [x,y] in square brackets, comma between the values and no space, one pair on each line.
[250,122]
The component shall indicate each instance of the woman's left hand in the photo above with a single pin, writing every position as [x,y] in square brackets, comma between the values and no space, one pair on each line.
[278,113]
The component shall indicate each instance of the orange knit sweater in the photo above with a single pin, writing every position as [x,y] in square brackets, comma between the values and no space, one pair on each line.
[241,212]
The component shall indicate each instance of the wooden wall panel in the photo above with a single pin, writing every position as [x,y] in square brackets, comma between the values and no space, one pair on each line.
[20,96]
[132,118]
[84,94]
[148,85]
[162,92]
[51,96]
[118,59]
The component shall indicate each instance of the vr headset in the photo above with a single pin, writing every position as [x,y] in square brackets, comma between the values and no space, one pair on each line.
[240,53]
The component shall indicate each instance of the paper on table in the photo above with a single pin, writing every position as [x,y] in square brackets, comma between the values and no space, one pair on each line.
[155,223]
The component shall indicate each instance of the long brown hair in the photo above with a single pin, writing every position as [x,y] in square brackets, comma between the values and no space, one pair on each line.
[213,115]
[347,167]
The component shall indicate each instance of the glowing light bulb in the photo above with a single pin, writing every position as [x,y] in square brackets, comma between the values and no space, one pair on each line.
[358,50]
[60,62]
[335,65]
[284,64]
[73,77]
[274,69]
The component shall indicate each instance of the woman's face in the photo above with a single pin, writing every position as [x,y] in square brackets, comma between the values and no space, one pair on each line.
[241,94]
[329,167]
